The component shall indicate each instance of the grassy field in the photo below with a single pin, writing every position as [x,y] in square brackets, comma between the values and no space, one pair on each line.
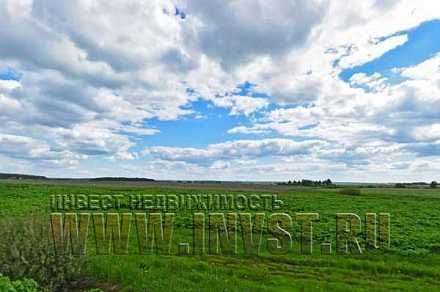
[412,263]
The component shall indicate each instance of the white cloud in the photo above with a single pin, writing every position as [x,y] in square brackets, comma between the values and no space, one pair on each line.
[248,149]
[373,82]
[19,147]
[236,32]
[371,51]
[398,116]
[94,73]
[240,104]
[428,132]
[258,129]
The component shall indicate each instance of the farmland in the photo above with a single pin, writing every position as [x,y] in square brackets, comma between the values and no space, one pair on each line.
[411,263]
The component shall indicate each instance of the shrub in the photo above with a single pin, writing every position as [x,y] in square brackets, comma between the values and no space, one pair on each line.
[400,186]
[24,285]
[26,251]
[350,191]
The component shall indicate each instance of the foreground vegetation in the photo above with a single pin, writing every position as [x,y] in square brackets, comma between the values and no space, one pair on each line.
[412,263]
[24,285]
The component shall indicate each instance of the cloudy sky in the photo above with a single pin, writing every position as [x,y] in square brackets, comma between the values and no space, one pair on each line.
[233,90]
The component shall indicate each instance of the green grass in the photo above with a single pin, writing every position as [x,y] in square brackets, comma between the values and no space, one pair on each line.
[412,263]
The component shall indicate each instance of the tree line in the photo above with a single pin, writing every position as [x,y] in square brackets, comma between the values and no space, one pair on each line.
[308,183]
[433,184]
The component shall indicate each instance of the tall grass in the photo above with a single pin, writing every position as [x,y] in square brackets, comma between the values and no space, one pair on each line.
[350,191]
[26,251]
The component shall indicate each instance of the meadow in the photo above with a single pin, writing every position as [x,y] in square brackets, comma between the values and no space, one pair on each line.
[411,264]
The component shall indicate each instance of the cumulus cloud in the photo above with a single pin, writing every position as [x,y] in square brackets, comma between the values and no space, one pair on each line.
[93,74]
[27,148]
[235,32]
[399,118]
[427,132]
[248,149]
[240,104]
[88,81]
[373,50]
[388,109]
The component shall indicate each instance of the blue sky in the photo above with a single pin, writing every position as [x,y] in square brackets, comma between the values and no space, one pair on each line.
[214,123]
[221,90]
[422,44]
[207,125]
[9,74]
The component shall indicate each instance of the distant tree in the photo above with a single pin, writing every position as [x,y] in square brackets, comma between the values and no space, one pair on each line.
[328,182]
[400,186]
[309,183]
[434,184]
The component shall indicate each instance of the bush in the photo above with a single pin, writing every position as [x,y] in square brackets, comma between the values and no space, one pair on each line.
[24,285]
[350,191]
[26,251]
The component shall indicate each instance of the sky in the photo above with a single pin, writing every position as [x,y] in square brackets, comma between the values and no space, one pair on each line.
[250,90]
